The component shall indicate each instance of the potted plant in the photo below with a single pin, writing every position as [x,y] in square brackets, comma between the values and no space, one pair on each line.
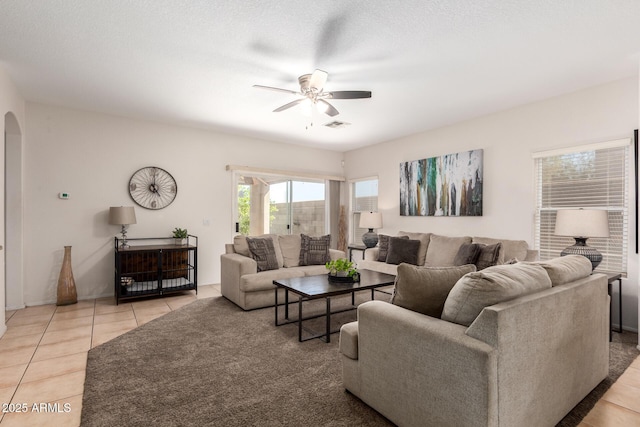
[179,235]
[342,268]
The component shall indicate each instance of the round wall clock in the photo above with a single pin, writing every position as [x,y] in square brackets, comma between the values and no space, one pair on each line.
[152,187]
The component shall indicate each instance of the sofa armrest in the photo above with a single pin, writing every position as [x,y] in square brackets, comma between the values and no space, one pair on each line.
[371,254]
[349,340]
[415,367]
[232,268]
[336,254]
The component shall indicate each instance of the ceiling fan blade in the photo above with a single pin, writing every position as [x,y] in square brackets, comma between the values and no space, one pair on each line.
[331,110]
[350,94]
[289,105]
[318,79]
[276,89]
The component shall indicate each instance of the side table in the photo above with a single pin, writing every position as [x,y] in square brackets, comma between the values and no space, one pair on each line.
[611,278]
[356,247]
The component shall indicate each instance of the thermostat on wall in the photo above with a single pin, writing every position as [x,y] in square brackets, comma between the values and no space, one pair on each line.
[63,195]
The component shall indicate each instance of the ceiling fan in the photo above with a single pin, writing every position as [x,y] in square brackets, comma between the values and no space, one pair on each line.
[312,91]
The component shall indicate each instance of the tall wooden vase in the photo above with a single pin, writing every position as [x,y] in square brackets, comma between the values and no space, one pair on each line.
[66,285]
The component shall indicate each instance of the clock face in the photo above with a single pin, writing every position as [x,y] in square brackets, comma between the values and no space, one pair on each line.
[153,188]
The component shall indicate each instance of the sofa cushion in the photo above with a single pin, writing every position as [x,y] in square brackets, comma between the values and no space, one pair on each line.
[263,281]
[567,268]
[489,256]
[263,252]
[424,243]
[240,245]
[443,250]
[403,250]
[467,254]
[510,248]
[314,250]
[499,283]
[425,289]
[290,247]
[383,246]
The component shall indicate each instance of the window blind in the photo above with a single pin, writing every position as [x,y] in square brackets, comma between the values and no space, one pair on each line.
[595,177]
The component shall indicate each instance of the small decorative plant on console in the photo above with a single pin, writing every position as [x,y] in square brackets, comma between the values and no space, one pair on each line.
[342,270]
[179,235]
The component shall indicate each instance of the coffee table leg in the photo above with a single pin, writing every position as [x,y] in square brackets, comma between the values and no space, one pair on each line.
[276,306]
[329,319]
[286,304]
[299,319]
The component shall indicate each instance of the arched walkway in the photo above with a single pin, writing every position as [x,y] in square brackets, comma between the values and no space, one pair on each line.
[13,272]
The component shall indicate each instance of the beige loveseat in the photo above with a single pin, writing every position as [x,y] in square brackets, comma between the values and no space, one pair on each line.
[242,283]
[440,251]
[526,361]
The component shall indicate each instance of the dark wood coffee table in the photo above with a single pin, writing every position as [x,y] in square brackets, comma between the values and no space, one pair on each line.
[314,287]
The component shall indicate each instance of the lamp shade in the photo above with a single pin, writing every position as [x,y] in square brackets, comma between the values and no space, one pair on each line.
[122,215]
[582,223]
[370,220]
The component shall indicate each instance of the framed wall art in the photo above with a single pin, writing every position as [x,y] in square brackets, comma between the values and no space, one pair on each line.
[449,185]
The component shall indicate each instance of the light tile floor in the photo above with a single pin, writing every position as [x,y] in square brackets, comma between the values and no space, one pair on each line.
[43,353]
[43,358]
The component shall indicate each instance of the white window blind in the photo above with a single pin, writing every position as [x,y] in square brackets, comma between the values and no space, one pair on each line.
[364,198]
[594,177]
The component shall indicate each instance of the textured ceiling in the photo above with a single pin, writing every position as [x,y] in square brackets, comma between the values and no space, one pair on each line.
[428,63]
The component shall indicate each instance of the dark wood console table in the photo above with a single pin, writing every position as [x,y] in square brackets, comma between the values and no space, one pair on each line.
[153,267]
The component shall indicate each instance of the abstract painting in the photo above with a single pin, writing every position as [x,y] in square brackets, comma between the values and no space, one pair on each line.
[449,185]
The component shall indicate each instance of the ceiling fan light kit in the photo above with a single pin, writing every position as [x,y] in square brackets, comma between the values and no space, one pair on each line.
[312,91]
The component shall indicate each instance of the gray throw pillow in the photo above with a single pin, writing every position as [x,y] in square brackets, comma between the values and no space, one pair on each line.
[425,289]
[403,250]
[383,246]
[314,250]
[467,254]
[489,256]
[263,252]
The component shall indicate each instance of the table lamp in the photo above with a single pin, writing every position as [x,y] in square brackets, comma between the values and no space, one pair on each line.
[582,224]
[370,220]
[124,216]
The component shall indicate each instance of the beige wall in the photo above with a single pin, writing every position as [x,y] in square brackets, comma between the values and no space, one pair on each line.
[92,156]
[508,138]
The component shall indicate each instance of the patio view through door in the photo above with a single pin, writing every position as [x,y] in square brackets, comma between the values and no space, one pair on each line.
[279,205]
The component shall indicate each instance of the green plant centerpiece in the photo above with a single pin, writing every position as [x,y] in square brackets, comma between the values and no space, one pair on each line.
[343,270]
[179,235]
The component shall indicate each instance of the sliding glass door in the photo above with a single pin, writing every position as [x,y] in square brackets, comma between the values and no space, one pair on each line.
[276,204]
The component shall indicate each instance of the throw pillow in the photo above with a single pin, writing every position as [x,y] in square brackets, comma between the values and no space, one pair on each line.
[425,289]
[489,256]
[403,250]
[314,250]
[263,252]
[383,246]
[467,254]
[481,289]
[290,247]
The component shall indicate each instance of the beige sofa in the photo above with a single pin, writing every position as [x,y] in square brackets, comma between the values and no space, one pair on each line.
[249,289]
[524,361]
[440,251]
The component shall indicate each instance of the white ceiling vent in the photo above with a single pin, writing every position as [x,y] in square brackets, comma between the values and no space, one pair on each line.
[336,124]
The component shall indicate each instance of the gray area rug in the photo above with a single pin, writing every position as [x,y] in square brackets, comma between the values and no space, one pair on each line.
[212,364]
